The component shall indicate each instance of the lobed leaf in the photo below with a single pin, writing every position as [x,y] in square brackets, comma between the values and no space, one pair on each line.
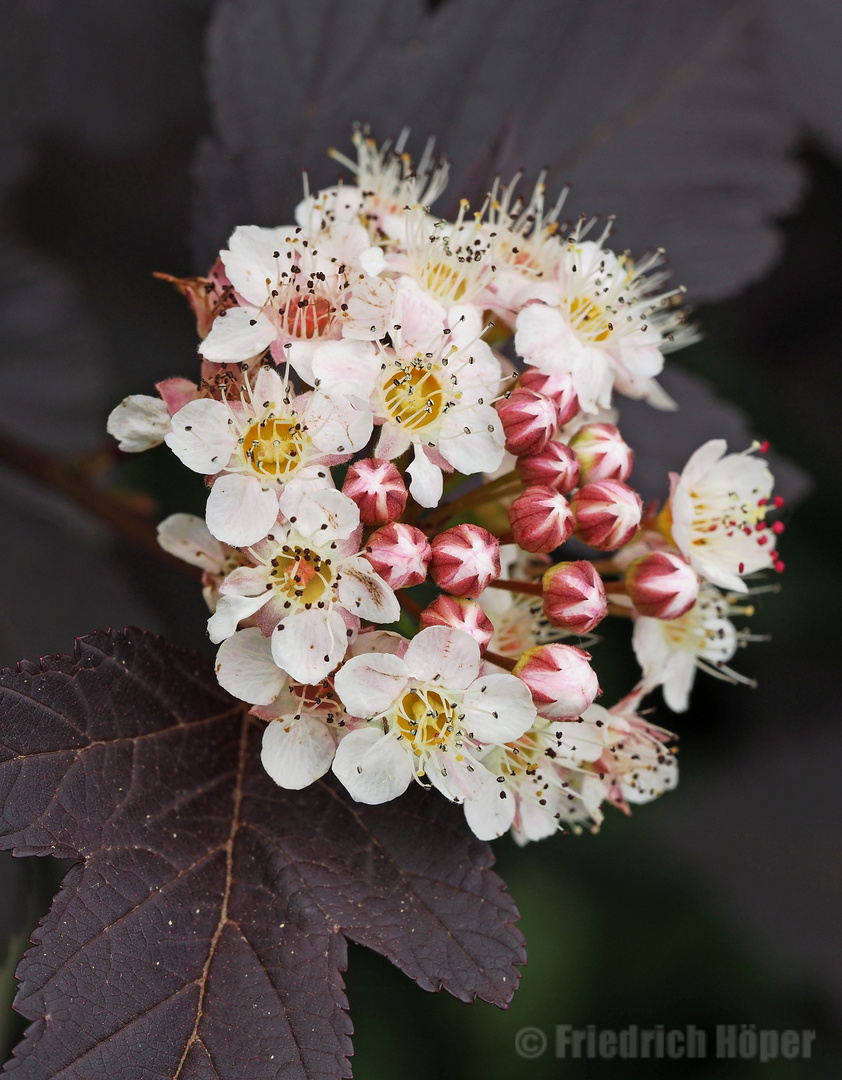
[203,932]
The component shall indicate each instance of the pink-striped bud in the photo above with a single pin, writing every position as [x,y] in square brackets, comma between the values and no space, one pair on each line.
[574,596]
[607,514]
[555,466]
[466,559]
[662,585]
[529,420]
[560,678]
[400,554]
[378,489]
[559,387]
[460,614]
[541,519]
[602,453]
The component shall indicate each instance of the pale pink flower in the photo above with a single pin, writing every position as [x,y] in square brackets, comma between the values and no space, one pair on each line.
[574,596]
[607,514]
[428,713]
[400,554]
[466,559]
[718,507]
[459,613]
[662,585]
[377,488]
[255,443]
[308,585]
[602,452]
[562,682]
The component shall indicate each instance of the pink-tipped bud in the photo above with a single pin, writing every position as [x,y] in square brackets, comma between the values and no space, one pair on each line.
[555,466]
[466,559]
[529,420]
[559,387]
[607,514]
[574,596]
[541,519]
[400,554]
[602,453]
[460,614]
[378,489]
[560,678]
[662,585]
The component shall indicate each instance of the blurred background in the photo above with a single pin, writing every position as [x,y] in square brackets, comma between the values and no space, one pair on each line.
[134,137]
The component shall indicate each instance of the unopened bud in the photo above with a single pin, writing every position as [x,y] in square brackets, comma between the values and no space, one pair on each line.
[541,519]
[529,420]
[607,514]
[400,554]
[574,596]
[559,387]
[554,466]
[466,559]
[378,489]
[560,678]
[662,585]
[460,614]
[602,452]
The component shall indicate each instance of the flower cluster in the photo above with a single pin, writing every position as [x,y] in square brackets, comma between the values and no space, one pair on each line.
[411,537]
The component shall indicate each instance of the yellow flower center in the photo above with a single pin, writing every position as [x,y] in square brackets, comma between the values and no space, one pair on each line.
[274,447]
[426,718]
[590,319]
[301,574]
[413,394]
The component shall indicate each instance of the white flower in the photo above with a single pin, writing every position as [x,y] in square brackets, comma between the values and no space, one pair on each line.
[535,792]
[637,762]
[188,537]
[292,289]
[600,320]
[139,422]
[670,650]
[718,509]
[257,442]
[429,711]
[308,586]
[387,182]
[435,398]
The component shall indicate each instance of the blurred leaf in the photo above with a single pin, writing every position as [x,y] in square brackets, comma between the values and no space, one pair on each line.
[202,935]
[656,111]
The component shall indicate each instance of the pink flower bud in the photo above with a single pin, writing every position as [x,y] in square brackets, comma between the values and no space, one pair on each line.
[529,420]
[662,585]
[460,614]
[541,519]
[602,453]
[378,490]
[574,596]
[555,466]
[560,678]
[607,514]
[400,554]
[466,559]
[559,387]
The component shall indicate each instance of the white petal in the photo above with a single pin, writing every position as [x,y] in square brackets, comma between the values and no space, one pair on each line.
[309,644]
[347,362]
[442,655]
[250,259]
[374,767]
[297,752]
[488,815]
[240,510]
[188,537]
[238,333]
[139,422]
[427,483]
[369,683]
[455,780]
[372,260]
[365,593]
[245,668]
[498,709]
[203,436]
[320,515]
[230,612]
[480,450]
[392,442]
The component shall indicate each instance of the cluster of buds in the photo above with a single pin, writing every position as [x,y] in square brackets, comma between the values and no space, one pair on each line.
[363,446]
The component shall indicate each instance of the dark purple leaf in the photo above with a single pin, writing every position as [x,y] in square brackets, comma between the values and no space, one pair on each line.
[203,933]
[656,111]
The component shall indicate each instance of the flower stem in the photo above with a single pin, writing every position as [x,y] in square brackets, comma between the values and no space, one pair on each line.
[492,489]
[531,588]
[501,661]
